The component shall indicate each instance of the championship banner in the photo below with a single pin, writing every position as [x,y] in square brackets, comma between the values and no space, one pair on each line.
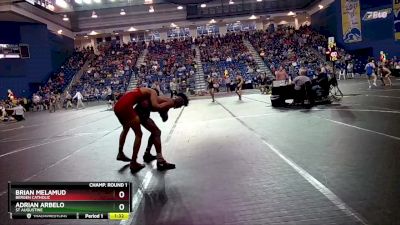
[396,11]
[351,21]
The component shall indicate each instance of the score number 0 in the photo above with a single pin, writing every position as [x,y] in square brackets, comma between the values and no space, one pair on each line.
[121,206]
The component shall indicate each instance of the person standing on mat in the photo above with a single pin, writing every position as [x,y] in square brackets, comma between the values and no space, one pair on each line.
[239,85]
[370,71]
[385,74]
[210,82]
[79,98]
[129,118]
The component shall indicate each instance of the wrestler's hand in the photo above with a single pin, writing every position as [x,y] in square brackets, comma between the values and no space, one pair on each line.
[164,115]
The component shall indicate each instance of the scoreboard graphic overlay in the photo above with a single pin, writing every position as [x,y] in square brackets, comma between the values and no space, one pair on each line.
[69,200]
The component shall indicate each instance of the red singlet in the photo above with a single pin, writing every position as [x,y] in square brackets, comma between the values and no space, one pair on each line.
[123,109]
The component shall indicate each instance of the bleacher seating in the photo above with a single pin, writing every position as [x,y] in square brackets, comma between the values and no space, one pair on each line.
[226,53]
[111,69]
[167,60]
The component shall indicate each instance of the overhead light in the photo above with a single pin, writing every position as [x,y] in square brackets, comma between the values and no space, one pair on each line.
[78,2]
[94,15]
[238,21]
[122,12]
[151,9]
[59,31]
[87,1]
[231,2]
[63,4]
[213,21]
[148,1]
[112,0]
[252,17]
[65,18]
[173,25]
[132,29]
[259,0]
[203,5]
[147,30]
[93,33]
[85,36]
[179,7]
[116,33]
[291,13]
[97,1]
[320,6]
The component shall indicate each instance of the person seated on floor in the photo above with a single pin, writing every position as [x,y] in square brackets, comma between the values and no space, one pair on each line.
[301,83]
[3,113]
[321,83]
[19,111]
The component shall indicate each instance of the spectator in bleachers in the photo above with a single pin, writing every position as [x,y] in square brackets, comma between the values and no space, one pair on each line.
[173,86]
[281,74]
[167,60]
[112,68]
[226,54]
[289,48]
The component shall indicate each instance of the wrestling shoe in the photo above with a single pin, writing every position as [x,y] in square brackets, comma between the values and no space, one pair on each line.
[164,165]
[147,157]
[123,157]
[136,167]
[164,116]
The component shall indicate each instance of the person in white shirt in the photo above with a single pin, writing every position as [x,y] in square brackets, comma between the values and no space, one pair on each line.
[19,111]
[79,98]
[342,73]
[301,80]
[299,86]
[173,86]
[350,68]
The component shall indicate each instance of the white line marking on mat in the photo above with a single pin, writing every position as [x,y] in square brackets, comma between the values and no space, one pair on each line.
[319,186]
[360,128]
[314,182]
[33,146]
[360,110]
[11,129]
[138,196]
[63,159]
[382,96]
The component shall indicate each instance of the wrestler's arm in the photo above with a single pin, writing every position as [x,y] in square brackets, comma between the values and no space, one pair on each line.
[156,105]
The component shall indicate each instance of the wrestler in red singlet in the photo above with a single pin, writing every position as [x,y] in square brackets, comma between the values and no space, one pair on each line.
[124,107]
[129,118]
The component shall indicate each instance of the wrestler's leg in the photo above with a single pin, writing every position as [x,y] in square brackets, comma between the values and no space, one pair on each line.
[135,125]
[122,137]
[239,92]
[153,129]
[155,138]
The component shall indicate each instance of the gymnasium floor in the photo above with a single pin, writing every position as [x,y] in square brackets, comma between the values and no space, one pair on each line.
[237,162]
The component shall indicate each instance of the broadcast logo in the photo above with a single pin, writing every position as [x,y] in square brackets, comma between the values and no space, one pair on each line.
[380,14]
